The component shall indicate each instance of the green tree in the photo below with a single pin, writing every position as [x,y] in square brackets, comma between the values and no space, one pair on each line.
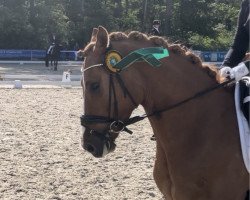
[201,24]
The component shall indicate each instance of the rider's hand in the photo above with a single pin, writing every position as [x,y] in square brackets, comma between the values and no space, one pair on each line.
[235,73]
[225,71]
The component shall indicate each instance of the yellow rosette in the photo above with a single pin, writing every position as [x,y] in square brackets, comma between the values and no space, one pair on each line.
[112,57]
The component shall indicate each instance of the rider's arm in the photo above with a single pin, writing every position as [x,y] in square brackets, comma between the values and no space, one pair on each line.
[241,41]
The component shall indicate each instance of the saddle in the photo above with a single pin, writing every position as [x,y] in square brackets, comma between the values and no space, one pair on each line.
[242,99]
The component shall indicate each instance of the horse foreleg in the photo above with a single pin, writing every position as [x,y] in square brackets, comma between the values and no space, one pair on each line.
[161,173]
[55,65]
[46,61]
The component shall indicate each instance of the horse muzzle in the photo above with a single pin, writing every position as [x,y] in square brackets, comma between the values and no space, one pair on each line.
[98,144]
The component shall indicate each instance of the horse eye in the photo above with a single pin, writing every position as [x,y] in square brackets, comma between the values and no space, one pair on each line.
[95,86]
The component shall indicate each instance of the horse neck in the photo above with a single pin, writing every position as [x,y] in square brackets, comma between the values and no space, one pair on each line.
[176,80]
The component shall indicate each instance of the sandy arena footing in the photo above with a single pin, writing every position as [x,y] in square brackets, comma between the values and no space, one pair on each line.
[42,158]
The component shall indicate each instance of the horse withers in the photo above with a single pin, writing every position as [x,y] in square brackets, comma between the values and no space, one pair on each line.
[198,155]
[53,55]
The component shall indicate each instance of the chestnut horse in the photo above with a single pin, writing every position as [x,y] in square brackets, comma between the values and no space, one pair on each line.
[198,153]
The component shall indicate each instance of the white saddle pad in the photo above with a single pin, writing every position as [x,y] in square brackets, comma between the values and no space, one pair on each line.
[243,129]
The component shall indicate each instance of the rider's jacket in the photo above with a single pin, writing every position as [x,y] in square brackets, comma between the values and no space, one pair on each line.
[49,50]
[241,40]
[155,31]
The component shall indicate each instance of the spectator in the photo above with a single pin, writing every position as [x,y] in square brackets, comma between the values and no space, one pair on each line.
[155,29]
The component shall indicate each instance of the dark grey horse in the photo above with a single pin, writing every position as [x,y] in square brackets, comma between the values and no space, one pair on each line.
[53,55]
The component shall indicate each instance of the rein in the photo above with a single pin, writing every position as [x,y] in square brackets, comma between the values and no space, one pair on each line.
[138,118]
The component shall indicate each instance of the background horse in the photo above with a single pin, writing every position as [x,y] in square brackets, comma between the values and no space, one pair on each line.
[53,55]
[198,154]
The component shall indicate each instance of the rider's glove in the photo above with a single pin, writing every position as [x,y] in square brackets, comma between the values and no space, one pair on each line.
[235,73]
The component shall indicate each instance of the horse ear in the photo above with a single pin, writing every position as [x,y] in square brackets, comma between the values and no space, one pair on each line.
[102,39]
[94,34]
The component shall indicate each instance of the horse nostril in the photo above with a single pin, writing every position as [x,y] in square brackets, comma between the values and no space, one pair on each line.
[90,148]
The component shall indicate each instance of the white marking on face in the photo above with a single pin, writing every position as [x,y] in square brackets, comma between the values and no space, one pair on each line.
[83,130]
[105,150]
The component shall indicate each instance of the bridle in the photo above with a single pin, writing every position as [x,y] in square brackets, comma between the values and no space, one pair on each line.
[114,63]
[116,125]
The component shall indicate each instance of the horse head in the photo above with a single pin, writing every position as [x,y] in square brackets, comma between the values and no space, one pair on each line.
[104,91]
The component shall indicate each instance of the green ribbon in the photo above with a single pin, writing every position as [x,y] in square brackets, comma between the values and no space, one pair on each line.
[151,55]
